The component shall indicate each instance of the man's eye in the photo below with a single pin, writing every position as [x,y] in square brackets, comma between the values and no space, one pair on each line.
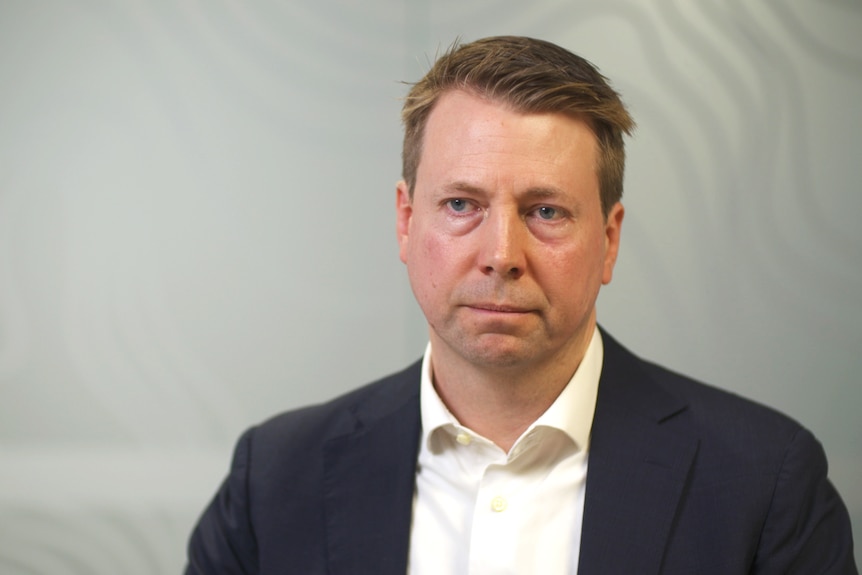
[547,213]
[458,205]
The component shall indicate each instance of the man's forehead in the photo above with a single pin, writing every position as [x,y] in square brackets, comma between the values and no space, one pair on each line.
[464,123]
[467,93]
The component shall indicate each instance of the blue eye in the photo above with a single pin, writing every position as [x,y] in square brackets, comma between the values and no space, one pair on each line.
[457,205]
[547,212]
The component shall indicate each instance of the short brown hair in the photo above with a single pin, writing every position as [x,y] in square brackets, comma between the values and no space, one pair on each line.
[531,76]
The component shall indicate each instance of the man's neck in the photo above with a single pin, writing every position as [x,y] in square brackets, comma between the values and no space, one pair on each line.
[501,403]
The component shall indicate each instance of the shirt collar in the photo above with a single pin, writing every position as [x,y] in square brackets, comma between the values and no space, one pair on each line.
[572,412]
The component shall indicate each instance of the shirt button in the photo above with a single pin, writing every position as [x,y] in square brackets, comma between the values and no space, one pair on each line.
[498,504]
[463,438]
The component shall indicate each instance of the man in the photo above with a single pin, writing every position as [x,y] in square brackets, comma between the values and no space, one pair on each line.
[526,440]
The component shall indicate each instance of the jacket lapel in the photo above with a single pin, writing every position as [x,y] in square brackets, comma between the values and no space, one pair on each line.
[369,477]
[638,469]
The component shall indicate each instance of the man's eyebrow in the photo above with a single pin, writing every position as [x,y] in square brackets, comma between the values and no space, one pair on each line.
[541,193]
[464,187]
[531,193]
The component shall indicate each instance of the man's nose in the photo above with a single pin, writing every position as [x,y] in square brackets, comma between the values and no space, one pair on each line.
[503,243]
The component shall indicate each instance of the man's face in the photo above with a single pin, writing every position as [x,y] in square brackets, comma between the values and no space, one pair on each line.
[505,242]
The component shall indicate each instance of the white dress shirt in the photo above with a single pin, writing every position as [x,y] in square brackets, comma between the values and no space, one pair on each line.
[479,511]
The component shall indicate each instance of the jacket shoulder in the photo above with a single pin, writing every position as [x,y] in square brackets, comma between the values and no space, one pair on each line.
[343,414]
[712,405]
[756,497]
[684,403]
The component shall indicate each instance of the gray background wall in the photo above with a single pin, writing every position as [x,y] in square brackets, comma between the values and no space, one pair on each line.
[196,230]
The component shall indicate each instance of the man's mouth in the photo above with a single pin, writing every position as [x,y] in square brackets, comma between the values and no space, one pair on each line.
[500,308]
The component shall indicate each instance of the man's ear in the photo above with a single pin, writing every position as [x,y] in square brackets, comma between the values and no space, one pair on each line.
[403,213]
[613,229]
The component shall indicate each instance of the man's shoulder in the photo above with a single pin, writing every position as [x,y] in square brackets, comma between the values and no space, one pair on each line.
[343,414]
[708,411]
[724,460]
[706,398]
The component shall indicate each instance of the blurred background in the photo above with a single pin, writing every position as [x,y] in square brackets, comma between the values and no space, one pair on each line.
[197,230]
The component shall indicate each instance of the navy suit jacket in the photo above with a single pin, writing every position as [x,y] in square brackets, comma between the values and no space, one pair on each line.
[683,478]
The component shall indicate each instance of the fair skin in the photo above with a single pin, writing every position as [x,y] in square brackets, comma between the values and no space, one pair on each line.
[506,247]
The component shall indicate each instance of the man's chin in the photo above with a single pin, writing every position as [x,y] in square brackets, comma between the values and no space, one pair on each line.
[498,350]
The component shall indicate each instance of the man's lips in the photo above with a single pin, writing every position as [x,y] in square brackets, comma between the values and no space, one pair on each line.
[499,308]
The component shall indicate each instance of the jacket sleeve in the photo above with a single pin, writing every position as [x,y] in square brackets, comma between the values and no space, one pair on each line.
[807,529]
[223,542]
